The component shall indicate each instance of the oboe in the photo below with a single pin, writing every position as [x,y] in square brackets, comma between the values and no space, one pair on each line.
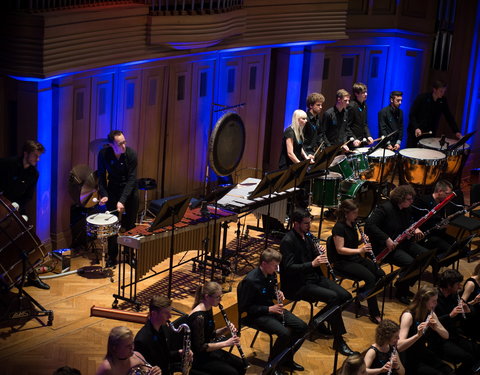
[460,302]
[318,247]
[394,352]
[279,296]
[365,242]
[186,359]
[232,332]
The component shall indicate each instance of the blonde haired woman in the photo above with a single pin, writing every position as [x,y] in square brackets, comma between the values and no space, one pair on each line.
[292,143]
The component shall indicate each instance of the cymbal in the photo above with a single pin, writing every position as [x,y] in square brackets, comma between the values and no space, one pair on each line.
[83,185]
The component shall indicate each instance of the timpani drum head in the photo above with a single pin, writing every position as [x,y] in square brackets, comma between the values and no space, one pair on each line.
[227,144]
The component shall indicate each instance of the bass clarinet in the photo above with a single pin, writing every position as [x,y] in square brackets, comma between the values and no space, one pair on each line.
[186,358]
[318,247]
[365,242]
[233,333]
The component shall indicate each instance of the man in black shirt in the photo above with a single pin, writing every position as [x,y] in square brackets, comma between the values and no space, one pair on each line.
[358,116]
[120,193]
[18,178]
[255,297]
[313,132]
[450,310]
[302,277]
[156,341]
[335,121]
[425,114]
[390,119]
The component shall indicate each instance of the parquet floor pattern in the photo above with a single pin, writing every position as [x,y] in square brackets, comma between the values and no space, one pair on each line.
[79,340]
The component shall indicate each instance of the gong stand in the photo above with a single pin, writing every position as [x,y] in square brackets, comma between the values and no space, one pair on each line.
[382,144]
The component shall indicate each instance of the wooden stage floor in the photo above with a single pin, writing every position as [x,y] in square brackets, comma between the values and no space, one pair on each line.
[79,340]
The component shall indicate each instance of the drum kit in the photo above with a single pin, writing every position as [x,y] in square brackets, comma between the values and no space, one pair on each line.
[359,175]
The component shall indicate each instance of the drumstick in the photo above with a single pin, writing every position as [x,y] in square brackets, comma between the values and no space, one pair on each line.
[378,139]
[426,133]
[318,149]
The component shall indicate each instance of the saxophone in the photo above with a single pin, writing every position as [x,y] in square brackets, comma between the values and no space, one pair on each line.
[186,359]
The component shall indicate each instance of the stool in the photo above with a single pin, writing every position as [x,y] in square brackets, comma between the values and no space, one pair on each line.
[146,184]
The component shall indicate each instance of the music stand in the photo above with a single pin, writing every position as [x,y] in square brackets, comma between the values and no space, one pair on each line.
[171,213]
[325,158]
[381,285]
[461,142]
[417,267]
[272,366]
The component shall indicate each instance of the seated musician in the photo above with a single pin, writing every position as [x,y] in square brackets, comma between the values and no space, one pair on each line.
[390,119]
[471,295]
[302,277]
[439,238]
[380,357]
[255,297]
[208,354]
[354,365]
[418,325]
[120,358]
[385,223]
[349,259]
[155,339]
[451,310]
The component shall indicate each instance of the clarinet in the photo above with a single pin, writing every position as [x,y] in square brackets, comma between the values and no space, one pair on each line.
[186,361]
[460,302]
[394,352]
[279,297]
[365,242]
[318,247]
[239,347]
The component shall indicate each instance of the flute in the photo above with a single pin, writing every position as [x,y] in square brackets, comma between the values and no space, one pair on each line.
[233,333]
[279,297]
[394,352]
[426,321]
[316,242]
[460,302]
[365,242]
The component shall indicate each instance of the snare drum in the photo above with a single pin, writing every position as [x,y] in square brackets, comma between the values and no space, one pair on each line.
[454,157]
[341,165]
[422,166]
[362,192]
[330,183]
[375,160]
[102,225]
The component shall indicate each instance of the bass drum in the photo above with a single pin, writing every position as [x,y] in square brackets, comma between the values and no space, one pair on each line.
[362,192]
[17,241]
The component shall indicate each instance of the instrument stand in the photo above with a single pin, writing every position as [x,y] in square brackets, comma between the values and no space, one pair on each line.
[23,306]
[146,184]
[101,269]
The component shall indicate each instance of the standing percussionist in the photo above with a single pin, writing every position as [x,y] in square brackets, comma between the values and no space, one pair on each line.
[390,119]
[255,297]
[313,132]
[19,177]
[386,222]
[120,192]
[425,114]
[358,115]
[335,121]
[302,278]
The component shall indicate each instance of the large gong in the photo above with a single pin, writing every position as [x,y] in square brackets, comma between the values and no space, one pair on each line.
[227,144]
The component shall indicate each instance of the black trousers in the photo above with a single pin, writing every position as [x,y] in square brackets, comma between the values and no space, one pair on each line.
[403,256]
[127,220]
[366,270]
[287,334]
[218,362]
[332,294]
[459,350]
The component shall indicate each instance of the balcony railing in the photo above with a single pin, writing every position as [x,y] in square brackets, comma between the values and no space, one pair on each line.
[157,7]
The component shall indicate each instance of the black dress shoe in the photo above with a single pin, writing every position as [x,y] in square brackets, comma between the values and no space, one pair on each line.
[110,263]
[293,366]
[343,348]
[37,283]
[324,330]
[404,299]
[279,372]
[373,319]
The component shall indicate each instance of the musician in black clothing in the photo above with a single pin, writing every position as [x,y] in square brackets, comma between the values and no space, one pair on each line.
[385,223]
[155,340]
[439,238]
[255,297]
[302,277]
[450,311]
[390,119]
[358,116]
[425,114]
[313,132]
[336,121]
[120,192]
[350,259]
[18,180]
